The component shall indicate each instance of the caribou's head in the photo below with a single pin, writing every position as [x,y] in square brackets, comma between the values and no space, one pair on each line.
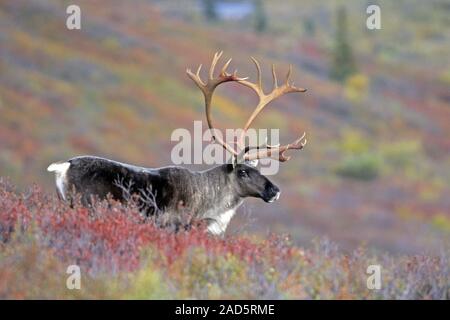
[249,182]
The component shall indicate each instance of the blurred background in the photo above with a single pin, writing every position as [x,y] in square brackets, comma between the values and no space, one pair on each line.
[376,170]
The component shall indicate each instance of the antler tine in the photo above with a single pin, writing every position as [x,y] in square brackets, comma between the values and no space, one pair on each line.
[223,72]
[258,76]
[274,75]
[296,145]
[198,75]
[288,75]
[272,146]
[281,150]
[216,58]
[262,146]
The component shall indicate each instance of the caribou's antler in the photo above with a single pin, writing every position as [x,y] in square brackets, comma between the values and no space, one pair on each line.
[208,91]
[263,151]
[265,99]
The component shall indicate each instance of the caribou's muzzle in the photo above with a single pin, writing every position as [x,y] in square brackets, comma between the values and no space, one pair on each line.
[271,193]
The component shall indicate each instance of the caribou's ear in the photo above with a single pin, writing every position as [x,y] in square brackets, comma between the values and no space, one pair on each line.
[252,163]
[230,167]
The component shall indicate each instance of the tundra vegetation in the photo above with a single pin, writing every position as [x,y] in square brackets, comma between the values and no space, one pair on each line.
[376,171]
[121,254]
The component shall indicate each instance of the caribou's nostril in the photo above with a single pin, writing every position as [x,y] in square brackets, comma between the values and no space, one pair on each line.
[274,189]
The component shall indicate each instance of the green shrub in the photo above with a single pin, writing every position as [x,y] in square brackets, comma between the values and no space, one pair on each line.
[364,166]
[402,154]
[148,283]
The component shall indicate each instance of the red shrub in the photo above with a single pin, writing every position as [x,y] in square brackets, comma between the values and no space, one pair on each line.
[111,236]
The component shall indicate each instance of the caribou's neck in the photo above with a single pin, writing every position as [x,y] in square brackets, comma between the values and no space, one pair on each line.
[219,200]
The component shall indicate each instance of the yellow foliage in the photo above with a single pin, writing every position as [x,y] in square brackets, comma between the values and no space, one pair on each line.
[354,143]
[356,87]
[216,276]
[442,222]
[402,153]
[429,193]
[273,119]
[228,107]
[148,284]
[111,43]
[23,40]
[30,44]
[445,77]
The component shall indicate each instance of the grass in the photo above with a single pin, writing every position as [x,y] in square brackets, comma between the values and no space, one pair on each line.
[123,255]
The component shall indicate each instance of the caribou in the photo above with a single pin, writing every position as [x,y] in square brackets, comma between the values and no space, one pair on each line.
[212,195]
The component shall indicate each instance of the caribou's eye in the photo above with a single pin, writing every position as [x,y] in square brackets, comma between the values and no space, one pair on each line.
[243,174]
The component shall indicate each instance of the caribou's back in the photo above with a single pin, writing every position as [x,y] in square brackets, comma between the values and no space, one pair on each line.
[92,176]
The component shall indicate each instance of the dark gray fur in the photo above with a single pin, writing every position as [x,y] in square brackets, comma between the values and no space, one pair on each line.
[206,195]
